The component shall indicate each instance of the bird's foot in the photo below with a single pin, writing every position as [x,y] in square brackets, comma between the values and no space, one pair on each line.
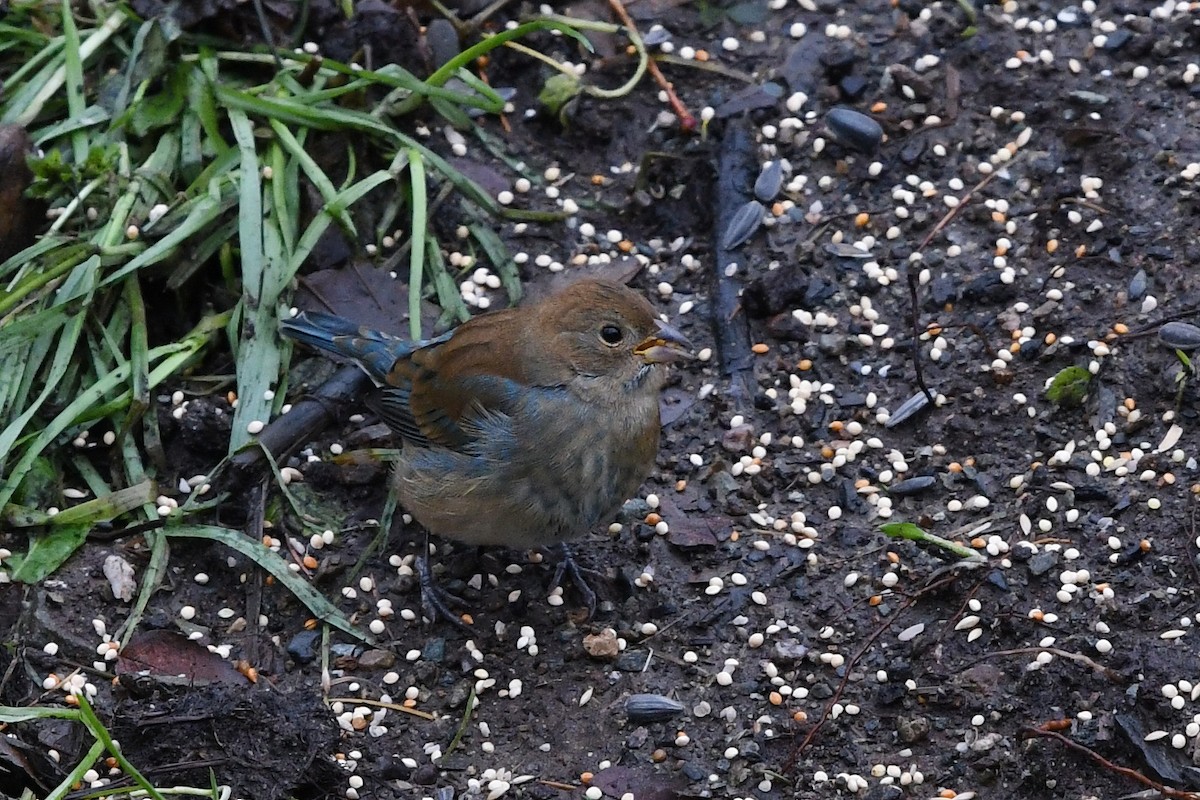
[569,566]
[436,601]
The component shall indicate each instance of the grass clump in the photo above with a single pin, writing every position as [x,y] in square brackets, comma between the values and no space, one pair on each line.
[174,169]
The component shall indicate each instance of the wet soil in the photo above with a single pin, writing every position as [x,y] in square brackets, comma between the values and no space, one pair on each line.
[811,655]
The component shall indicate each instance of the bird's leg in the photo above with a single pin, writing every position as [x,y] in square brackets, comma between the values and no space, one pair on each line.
[435,601]
[569,566]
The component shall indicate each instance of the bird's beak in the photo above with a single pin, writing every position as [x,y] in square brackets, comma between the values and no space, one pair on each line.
[668,345]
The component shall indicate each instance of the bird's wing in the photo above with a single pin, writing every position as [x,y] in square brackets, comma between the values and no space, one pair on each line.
[437,391]
[478,371]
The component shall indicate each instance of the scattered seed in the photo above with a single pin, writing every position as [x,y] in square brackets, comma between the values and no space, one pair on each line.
[652,708]
[769,181]
[1180,335]
[907,409]
[746,221]
[854,129]
[1137,285]
[912,486]
[842,250]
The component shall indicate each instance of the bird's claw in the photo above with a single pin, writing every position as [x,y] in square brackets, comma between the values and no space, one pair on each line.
[436,601]
[569,566]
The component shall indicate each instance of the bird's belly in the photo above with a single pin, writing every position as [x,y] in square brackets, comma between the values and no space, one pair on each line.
[522,502]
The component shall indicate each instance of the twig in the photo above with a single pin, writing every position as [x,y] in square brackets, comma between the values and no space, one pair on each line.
[953,92]
[367,701]
[255,519]
[1152,327]
[1107,672]
[1133,775]
[563,787]
[952,213]
[686,120]
[1195,562]
[798,750]
[100,534]
[913,300]
[310,413]
[265,29]
[715,67]
[915,321]
[462,727]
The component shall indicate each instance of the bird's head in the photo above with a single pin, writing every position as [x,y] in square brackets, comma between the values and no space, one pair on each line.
[609,336]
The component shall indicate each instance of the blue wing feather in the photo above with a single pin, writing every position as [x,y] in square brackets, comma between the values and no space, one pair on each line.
[387,361]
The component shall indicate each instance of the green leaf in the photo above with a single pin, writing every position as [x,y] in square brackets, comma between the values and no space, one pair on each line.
[42,485]
[903,530]
[1069,387]
[559,90]
[751,13]
[273,564]
[47,552]
[907,530]
[163,108]
[10,714]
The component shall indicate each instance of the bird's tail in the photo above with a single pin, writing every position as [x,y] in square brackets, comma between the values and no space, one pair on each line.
[374,351]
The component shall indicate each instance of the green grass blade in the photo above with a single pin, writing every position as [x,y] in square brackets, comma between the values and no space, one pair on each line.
[468,56]
[314,173]
[97,729]
[73,65]
[139,348]
[90,117]
[47,552]
[84,399]
[420,222]
[498,254]
[346,197]
[202,213]
[271,563]
[25,112]
[10,715]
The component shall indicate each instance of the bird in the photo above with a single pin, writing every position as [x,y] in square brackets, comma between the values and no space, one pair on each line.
[524,427]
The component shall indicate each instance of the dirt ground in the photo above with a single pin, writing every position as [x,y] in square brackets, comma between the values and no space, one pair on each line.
[1033,194]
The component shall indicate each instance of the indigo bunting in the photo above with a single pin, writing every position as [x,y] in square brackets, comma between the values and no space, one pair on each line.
[523,427]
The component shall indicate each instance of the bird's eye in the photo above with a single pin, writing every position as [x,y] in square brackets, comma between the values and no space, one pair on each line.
[611,335]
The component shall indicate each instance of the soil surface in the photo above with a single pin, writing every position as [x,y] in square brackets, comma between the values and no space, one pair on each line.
[1027,209]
